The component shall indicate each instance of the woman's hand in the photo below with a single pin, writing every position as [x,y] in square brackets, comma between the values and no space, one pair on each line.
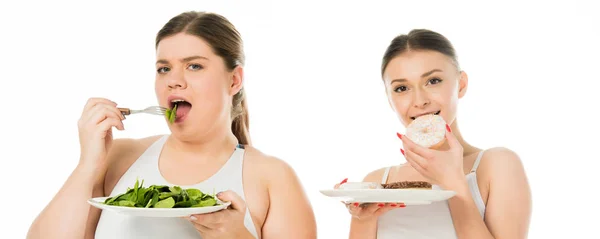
[444,168]
[227,223]
[368,211]
[95,129]
[371,211]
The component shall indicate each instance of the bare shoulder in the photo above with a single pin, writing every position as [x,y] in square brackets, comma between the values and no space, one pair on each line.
[270,167]
[122,154]
[500,162]
[375,176]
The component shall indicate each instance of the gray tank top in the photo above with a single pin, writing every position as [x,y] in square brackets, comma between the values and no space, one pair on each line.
[426,221]
[115,226]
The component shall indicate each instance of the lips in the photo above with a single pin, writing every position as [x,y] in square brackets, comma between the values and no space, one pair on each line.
[175,99]
[428,113]
[183,106]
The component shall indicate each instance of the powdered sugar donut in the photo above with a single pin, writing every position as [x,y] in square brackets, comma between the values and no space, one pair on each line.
[428,130]
[360,185]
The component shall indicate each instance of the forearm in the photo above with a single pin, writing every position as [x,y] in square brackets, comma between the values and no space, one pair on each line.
[468,223]
[363,229]
[66,215]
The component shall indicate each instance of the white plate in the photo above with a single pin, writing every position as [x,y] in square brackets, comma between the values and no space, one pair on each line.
[406,196]
[156,212]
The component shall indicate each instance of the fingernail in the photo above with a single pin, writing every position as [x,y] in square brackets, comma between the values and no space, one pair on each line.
[393,205]
[402,205]
[219,194]
[380,205]
[344,181]
[399,135]
[193,218]
[448,128]
[402,151]
[356,204]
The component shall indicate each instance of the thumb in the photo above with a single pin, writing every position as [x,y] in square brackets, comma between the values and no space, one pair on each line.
[237,203]
[452,141]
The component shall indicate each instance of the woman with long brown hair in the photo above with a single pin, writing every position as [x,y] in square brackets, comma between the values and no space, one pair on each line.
[199,69]
[422,76]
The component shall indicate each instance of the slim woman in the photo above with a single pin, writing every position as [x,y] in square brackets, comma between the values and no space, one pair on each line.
[422,76]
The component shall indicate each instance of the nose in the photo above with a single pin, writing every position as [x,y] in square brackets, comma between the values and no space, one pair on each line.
[420,99]
[176,80]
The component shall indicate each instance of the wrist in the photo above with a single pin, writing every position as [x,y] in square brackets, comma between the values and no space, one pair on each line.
[244,234]
[89,168]
[364,221]
[459,185]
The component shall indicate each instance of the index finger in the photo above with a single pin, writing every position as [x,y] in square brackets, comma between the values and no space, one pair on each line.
[94,101]
[415,148]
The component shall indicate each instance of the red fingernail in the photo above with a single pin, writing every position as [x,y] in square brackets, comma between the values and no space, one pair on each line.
[448,128]
[344,181]
[402,151]
[393,205]
[356,204]
[402,205]
[380,205]
[399,135]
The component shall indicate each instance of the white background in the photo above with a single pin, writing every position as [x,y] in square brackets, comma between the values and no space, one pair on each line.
[315,95]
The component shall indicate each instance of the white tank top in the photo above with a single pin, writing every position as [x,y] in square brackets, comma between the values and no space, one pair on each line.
[426,221]
[115,226]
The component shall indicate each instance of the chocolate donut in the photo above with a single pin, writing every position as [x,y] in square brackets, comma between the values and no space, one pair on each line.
[407,185]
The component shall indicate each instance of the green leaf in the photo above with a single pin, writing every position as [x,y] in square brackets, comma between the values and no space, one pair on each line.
[173,114]
[126,203]
[206,203]
[194,194]
[154,199]
[164,195]
[161,196]
[166,203]
[168,114]
[143,196]
[175,189]
[185,203]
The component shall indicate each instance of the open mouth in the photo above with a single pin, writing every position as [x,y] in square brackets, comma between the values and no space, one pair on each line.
[435,113]
[183,108]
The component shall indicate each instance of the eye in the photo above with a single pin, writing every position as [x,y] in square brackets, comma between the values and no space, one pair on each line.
[434,81]
[401,88]
[195,67]
[163,70]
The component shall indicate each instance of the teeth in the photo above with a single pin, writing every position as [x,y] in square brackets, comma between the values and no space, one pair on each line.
[436,113]
[177,101]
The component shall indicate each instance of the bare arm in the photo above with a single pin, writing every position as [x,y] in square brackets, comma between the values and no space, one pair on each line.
[363,229]
[367,228]
[290,214]
[68,215]
[509,202]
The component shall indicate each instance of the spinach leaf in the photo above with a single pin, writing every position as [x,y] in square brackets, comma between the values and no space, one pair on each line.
[166,203]
[171,114]
[161,196]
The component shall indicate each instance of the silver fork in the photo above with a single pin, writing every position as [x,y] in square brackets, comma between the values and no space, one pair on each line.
[155,110]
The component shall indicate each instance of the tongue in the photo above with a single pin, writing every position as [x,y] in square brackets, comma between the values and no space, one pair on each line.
[183,108]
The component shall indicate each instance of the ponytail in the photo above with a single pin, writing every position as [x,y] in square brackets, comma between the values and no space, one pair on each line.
[240,124]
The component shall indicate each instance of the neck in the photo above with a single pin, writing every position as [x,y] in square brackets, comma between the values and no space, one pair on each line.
[211,146]
[467,148]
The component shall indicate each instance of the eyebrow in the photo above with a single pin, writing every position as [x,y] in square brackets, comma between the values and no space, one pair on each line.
[426,74]
[189,58]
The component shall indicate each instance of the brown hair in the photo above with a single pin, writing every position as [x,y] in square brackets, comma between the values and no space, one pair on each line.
[226,42]
[419,39]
